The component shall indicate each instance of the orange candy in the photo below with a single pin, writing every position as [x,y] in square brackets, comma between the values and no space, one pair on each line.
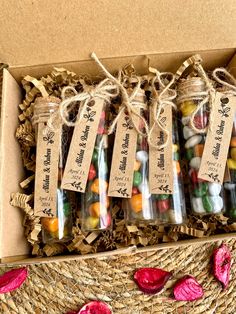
[94,209]
[99,186]
[233,142]
[97,209]
[177,166]
[50,224]
[137,165]
[136,203]
[198,150]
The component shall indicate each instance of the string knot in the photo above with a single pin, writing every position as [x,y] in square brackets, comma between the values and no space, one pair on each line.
[104,90]
[161,98]
[130,102]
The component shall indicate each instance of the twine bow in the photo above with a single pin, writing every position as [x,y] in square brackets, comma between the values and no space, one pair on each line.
[221,72]
[104,90]
[129,103]
[206,96]
[159,101]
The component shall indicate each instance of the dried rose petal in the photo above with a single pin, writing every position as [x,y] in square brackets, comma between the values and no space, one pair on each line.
[12,279]
[72,312]
[222,264]
[187,289]
[151,280]
[95,307]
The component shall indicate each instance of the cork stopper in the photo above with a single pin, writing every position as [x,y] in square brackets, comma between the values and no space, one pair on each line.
[191,85]
[44,107]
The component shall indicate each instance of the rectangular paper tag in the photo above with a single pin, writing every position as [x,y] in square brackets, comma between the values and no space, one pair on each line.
[46,175]
[216,147]
[122,167]
[161,160]
[81,148]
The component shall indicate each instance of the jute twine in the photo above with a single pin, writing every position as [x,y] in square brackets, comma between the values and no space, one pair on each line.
[59,287]
[161,98]
[205,97]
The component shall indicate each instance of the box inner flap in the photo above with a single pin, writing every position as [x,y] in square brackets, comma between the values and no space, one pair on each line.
[12,238]
[43,32]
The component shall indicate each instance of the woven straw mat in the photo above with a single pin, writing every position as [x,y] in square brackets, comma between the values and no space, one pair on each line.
[56,288]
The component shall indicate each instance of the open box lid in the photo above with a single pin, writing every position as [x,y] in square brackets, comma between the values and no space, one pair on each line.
[43,32]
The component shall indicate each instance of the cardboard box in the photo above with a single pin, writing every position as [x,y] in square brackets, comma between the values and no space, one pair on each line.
[37,35]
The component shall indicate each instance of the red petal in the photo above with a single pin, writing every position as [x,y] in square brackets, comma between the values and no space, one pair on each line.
[151,280]
[187,289]
[12,279]
[222,264]
[95,307]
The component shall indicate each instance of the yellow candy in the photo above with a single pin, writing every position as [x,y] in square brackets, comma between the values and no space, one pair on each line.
[137,165]
[231,163]
[187,108]
[91,222]
[233,153]
[175,148]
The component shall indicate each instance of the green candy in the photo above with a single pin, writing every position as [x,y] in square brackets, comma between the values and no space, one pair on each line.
[232,213]
[137,179]
[201,190]
[207,204]
[163,196]
[95,156]
[176,156]
[66,209]
[189,153]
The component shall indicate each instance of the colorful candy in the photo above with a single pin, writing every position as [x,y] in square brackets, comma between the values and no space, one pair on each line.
[58,227]
[137,179]
[92,172]
[230,185]
[50,224]
[136,202]
[96,205]
[206,197]
[187,108]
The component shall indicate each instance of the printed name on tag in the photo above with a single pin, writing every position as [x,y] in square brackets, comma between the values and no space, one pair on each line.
[46,175]
[216,147]
[161,169]
[82,146]
[122,167]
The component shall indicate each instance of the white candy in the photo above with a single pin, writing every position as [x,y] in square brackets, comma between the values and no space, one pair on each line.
[142,156]
[144,189]
[192,141]
[195,162]
[217,203]
[188,132]
[185,120]
[197,205]
[214,189]
[229,186]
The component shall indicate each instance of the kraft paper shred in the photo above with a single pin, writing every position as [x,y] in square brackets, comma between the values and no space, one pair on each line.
[121,236]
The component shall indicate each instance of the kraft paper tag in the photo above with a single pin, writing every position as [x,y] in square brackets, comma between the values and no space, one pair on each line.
[46,175]
[161,160]
[81,148]
[122,167]
[216,147]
